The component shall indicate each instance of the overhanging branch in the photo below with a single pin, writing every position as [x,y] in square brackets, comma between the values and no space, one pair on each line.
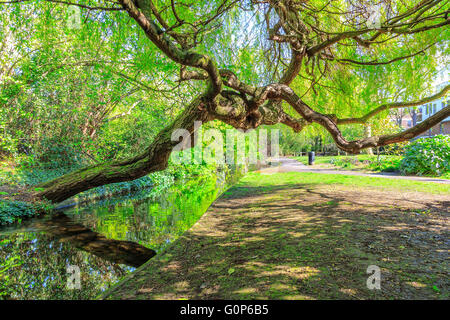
[277,91]
[183,57]
[393,105]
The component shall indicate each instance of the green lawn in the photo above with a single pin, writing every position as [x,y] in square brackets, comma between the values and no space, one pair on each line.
[387,163]
[326,159]
[362,162]
[311,178]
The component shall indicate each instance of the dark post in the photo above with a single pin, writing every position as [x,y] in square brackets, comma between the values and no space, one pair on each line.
[311,157]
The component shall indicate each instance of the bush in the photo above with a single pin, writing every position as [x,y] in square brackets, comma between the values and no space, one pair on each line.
[386,164]
[13,211]
[427,156]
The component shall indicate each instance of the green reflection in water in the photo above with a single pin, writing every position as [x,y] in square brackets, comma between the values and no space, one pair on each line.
[33,266]
[35,254]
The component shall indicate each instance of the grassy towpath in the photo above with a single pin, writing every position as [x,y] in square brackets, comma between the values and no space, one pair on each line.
[305,235]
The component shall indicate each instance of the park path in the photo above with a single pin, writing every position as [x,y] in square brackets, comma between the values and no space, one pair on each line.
[290,165]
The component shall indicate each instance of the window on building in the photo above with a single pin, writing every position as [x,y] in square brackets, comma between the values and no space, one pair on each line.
[419,117]
[409,123]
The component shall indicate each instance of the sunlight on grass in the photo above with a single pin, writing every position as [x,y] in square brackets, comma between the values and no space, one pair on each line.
[254,179]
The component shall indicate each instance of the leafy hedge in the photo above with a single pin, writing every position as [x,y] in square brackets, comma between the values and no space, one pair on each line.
[427,156]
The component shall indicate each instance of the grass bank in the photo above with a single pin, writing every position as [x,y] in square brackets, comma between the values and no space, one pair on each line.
[361,162]
[17,182]
[386,163]
[316,179]
[306,236]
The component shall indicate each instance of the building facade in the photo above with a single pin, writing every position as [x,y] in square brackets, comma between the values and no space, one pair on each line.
[423,112]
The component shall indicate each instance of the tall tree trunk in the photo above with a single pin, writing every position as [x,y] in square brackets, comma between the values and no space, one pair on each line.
[367,134]
[413,113]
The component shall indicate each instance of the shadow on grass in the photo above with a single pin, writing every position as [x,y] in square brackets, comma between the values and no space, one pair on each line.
[303,242]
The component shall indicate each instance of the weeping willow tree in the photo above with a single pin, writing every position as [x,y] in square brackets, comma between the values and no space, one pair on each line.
[246,63]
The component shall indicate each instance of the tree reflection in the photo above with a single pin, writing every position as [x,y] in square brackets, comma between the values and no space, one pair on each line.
[106,240]
[33,266]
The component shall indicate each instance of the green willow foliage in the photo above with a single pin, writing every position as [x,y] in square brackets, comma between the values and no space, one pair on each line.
[66,97]
[427,156]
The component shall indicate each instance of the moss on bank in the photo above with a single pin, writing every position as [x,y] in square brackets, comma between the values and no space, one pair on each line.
[16,189]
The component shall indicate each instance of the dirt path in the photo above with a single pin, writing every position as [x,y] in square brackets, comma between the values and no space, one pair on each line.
[304,241]
[291,165]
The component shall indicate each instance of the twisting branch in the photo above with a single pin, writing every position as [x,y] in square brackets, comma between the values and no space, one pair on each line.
[277,91]
[328,43]
[228,77]
[184,57]
[391,26]
[393,105]
[69,3]
[378,63]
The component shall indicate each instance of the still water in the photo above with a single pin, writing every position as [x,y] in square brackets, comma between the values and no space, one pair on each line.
[104,240]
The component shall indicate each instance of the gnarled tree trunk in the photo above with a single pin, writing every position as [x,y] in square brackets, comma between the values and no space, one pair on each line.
[154,158]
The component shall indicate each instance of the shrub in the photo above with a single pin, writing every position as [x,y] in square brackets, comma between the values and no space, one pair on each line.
[427,156]
[386,163]
[12,211]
